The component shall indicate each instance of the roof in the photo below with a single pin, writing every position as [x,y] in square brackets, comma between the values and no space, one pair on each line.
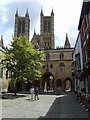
[84,11]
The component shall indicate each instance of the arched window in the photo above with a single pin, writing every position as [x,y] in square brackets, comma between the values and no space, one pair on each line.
[62,67]
[61,56]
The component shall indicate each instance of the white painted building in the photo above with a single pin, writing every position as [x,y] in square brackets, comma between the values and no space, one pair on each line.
[77,63]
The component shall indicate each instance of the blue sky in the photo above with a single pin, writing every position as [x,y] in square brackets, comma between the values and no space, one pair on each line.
[66,19]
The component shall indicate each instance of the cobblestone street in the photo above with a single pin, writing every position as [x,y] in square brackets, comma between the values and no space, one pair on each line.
[49,106]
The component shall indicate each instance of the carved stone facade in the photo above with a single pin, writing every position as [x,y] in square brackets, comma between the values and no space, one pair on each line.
[57,68]
[57,64]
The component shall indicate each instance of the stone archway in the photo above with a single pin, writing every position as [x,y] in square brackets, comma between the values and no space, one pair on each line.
[47,81]
[68,84]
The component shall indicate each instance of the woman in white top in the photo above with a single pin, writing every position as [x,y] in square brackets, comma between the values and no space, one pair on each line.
[32,92]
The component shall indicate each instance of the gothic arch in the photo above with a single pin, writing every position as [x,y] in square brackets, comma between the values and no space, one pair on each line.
[48,80]
[68,84]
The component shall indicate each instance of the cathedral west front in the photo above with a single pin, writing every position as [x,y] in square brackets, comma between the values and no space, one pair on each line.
[56,73]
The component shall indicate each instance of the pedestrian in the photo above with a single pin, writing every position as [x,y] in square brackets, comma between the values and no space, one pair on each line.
[32,92]
[36,93]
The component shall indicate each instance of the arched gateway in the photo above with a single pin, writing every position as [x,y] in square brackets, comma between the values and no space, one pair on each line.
[47,81]
[68,84]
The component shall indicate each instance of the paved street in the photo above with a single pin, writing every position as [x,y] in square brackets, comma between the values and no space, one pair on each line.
[49,106]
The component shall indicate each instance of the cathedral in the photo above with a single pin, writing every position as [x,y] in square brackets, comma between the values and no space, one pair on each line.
[56,73]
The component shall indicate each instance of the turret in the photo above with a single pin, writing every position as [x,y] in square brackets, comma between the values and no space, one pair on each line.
[52,13]
[27,14]
[41,12]
[52,30]
[34,32]
[1,41]
[16,24]
[41,27]
[67,44]
[16,13]
[22,25]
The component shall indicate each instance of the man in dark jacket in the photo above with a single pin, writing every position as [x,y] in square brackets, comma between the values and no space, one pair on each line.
[36,93]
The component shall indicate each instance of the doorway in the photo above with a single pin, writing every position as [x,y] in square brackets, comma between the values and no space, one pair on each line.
[47,81]
[68,85]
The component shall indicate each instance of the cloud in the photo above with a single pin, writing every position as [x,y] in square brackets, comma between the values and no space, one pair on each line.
[7,37]
[8,16]
[4,19]
[66,19]
[4,9]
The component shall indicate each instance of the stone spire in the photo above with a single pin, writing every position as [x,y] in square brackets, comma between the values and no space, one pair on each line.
[41,12]
[1,41]
[67,44]
[34,32]
[27,14]
[52,13]
[16,12]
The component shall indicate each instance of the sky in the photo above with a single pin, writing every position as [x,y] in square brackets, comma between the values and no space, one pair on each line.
[66,18]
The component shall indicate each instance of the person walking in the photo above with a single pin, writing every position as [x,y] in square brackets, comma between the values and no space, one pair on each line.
[36,93]
[32,92]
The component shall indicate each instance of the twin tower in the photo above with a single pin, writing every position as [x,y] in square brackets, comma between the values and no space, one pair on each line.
[46,37]
[22,27]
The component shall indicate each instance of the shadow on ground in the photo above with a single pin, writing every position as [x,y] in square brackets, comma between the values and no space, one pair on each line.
[54,111]
[66,106]
[10,96]
[23,94]
[45,93]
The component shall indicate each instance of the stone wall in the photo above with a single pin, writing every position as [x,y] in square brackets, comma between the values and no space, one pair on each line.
[55,60]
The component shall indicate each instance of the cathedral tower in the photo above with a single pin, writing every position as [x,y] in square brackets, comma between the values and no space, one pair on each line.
[22,25]
[47,31]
